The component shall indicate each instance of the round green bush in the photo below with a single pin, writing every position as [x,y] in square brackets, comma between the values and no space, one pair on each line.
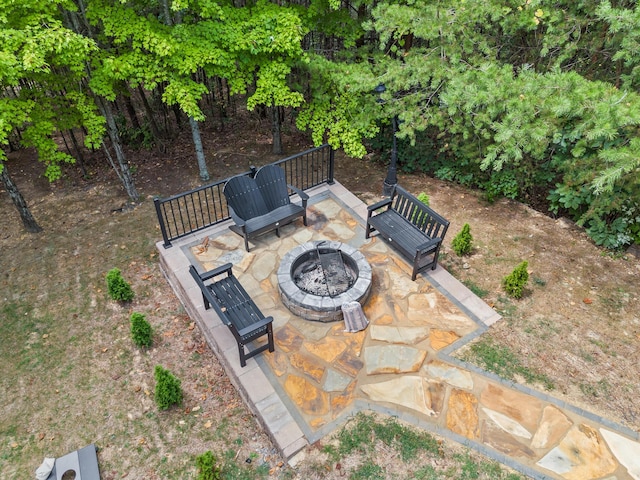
[423,197]
[208,469]
[141,331]
[118,288]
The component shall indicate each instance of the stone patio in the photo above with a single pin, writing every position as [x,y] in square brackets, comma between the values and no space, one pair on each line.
[399,365]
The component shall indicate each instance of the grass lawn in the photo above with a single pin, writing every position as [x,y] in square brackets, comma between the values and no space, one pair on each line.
[70,374]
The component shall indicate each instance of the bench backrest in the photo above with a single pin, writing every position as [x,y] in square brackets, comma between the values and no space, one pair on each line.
[273,186]
[418,213]
[207,294]
[244,197]
[228,298]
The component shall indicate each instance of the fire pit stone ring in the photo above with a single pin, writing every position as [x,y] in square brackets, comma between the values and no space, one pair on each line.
[316,306]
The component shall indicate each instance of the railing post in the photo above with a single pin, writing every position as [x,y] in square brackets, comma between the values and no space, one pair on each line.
[331,165]
[163,228]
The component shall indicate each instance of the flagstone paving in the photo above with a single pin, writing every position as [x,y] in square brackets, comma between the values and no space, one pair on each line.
[399,364]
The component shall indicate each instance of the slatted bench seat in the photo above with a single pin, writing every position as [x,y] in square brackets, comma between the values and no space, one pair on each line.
[410,226]
[235,308]
[262,204]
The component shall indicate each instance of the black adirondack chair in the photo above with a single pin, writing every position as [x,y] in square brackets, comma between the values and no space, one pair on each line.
[261,204]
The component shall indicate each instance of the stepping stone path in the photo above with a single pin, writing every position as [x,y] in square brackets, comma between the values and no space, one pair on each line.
[400,363]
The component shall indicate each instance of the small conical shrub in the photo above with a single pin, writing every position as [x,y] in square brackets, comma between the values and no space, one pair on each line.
[141,331]
[118,288]
[419,216]
[515,282]
[462,243]
[423,197]
[168,388]
[208,469]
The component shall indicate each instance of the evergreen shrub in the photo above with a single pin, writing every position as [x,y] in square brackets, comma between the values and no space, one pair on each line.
[423,197]
[207,467]
[168,389]
[515,282]
[462,243]
[119,289]
[141,331]
[418,217]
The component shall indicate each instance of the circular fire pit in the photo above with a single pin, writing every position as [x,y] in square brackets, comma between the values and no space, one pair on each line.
[317,278]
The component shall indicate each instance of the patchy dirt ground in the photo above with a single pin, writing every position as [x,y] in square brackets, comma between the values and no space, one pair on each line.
[578,323]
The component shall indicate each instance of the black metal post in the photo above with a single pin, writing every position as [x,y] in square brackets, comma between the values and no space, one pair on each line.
[163,228]
[330,179]
[392,178]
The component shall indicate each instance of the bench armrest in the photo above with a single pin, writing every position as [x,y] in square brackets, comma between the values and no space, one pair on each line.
[428,245]
[255,326]
[240,222]
[380,204]
[226,268]
[303,196]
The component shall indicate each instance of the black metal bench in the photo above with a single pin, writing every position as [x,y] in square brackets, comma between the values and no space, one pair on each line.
[261,204]
[410,226]
[235,308]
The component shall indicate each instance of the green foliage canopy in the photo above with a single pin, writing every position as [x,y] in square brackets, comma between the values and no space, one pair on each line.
[238,44]
[42,67]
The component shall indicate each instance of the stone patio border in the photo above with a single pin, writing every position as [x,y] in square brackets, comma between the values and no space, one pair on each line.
[271,405]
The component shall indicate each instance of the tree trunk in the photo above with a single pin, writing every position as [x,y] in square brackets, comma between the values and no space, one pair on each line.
[155,129]
[168,19]
[18,200]
[222,104]
[276,131]
[128,105]
[123,172]
[197,141]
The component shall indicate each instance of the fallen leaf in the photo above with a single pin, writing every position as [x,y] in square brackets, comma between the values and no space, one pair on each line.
[208,424]
[196,408]
[588,301]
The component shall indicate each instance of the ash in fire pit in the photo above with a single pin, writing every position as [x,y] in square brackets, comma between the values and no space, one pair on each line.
[324,273]
[317,278]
